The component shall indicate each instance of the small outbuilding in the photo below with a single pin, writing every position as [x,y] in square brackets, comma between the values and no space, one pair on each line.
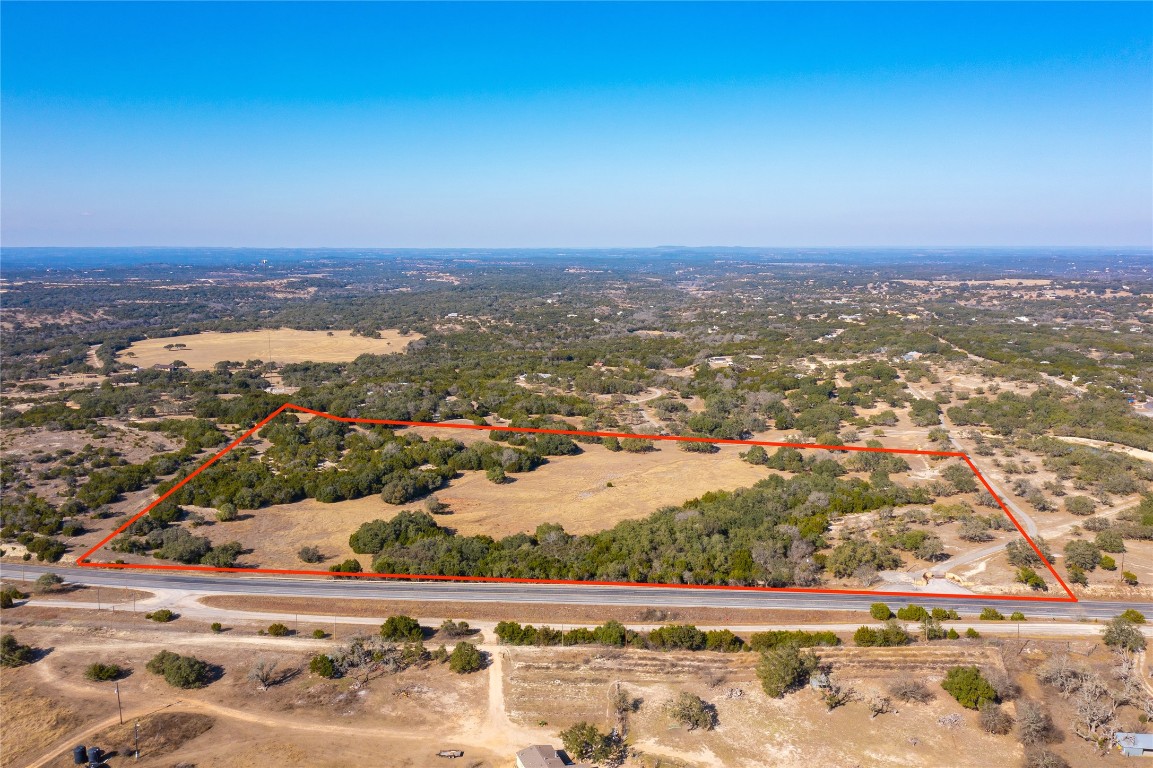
[544,756]
[1134,744]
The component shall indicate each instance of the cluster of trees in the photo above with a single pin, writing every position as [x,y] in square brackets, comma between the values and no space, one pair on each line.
[668,638]
[763,641]
[329,461]
[156,534]
[365,658]
[768,534]
[892,633]
[1101,415]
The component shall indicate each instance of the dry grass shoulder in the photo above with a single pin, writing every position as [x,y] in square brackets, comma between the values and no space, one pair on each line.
[526,613]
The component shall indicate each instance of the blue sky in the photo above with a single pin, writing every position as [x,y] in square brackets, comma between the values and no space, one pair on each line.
[426,125]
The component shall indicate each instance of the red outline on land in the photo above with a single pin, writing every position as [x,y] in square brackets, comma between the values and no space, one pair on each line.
[1070,597]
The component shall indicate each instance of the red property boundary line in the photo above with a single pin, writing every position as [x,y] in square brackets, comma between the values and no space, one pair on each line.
[83,559]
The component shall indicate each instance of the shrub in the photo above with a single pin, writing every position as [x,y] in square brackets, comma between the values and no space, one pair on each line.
[994,720]
[1082,554]
[762,641]
[180,671]
[279,630]
[692,711]
[909,690]
[103,672]
[496,475]
[9,596]
[454,629]
[163,616]
[49,582]
[1081,506]
[968,687]
[584,742]
[1107,563]
[912,613]
[217,627]
[14,653]
[637,445]
[400,629]
[350,565]
[310,554]
[1122,633]
[323,666]
[319,634]
[227,512]
[1129,578]
[880,612]
[992,614]
[1016,616]
[1043,758]
[677,637]
[1034,726]
[784,669]
[1110,540]
[1032,579]
[465,658]
[890,635]
[1133,616]
[723,640]
[972,634]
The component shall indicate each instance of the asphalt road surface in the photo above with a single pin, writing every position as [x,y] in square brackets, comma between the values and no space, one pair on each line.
[549,594]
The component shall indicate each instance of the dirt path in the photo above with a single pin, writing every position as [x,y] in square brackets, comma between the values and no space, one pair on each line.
[499,733]
[497,724]
[652,393]
[703,757]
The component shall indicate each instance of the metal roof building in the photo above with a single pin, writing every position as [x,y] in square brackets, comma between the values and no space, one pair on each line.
[1134,744]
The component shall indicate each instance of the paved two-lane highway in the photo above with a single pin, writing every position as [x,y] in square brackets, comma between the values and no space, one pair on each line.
[549,594]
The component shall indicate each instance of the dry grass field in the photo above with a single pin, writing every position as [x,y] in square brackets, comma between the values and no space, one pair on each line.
[570,490]
[753,730]
[525,696]
[283,345]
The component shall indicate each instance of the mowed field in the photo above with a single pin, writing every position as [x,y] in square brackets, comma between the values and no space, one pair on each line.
[570,490]
[283,345]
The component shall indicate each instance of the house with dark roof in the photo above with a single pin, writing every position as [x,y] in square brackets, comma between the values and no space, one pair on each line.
[544,756]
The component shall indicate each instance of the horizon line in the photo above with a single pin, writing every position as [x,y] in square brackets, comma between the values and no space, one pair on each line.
[1148,246]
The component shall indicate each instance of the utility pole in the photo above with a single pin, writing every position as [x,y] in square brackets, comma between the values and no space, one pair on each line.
[137,732]
[119,707]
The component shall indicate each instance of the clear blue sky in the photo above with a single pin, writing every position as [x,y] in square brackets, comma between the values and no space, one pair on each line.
[414,125]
